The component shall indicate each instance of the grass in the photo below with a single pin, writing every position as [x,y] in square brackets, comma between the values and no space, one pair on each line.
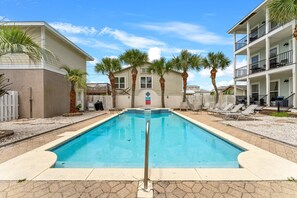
[280,114]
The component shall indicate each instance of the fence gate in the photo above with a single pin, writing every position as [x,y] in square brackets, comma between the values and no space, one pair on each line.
[9,106]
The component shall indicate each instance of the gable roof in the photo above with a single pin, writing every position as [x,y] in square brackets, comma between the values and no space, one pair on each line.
[52,30]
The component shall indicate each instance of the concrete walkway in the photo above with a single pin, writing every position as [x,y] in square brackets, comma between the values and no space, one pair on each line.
[212,189]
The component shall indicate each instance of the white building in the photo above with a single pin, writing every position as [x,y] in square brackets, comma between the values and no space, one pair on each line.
[270,52]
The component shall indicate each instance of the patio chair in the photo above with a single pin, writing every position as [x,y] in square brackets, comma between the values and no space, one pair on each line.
[184,106]
[249,111]
[196,107]
[91,106]
[225,109]
[206,106]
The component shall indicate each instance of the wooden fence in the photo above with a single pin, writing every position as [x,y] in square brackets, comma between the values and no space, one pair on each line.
[9,106]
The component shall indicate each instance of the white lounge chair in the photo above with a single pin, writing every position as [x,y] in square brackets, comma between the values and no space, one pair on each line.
[235,109]
[184,106]
[196,107]
[206,106]
[91,106]
[249,111]
[225,109]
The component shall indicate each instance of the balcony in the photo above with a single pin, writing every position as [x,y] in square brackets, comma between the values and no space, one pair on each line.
[241,43]
[258,66]
[281,60]
[257,33]
[241,72]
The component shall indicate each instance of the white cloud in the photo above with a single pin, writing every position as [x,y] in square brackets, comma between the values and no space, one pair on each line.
[154,53]
[131,40]
[91,42]
[93,63]
[73,29]
[3,18]
[188,31]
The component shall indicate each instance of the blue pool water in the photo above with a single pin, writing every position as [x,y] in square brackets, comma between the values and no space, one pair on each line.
[174,143]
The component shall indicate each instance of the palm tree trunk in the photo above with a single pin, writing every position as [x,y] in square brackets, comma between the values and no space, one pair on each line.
[72,99]
[213,73]
[134,76]
[113,89]
[162,84]
[185,78]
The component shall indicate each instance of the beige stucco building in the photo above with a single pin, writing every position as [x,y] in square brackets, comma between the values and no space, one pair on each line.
[148,90]
[43,89]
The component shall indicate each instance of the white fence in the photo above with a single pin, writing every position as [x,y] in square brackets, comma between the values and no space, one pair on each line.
[124,101]
[9,106]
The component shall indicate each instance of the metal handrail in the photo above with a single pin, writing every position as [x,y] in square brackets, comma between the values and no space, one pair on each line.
[289,96]
[146,156]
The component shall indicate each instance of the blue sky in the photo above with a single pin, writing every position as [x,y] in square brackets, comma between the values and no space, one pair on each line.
[161,28]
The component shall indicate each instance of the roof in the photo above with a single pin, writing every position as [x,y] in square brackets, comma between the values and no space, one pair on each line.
[52,30]
[242,87]
[129,67]
[247,17]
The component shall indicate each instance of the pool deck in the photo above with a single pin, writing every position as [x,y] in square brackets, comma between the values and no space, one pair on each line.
[280,149]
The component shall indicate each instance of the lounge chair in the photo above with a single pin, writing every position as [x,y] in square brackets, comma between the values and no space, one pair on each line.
[91,106]
[249,111]
[225,109]
[235,109]
[206,106]
[184,106]
[196,107]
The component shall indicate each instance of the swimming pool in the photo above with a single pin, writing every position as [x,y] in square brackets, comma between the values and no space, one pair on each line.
[174,143]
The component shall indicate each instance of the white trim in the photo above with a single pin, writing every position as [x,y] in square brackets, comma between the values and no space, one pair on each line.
[290,88]
[145,76]
[278,87]
[125,83]
[259,89]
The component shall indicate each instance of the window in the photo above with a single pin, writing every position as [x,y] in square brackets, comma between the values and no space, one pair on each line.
[254,34]
[273,25]
[273,90]
[120,82]
[255,92]
[145,82]
[255,62]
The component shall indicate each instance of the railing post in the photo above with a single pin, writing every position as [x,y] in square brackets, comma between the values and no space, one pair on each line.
[146,156]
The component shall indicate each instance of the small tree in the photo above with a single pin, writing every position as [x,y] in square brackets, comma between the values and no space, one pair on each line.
[135,58]
[3,85]
[160,67]
[215,61]
[186,61]
[77,79]
[108,66]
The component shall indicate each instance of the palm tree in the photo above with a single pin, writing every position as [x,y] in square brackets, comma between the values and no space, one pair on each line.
[282,11]
[215,61]
[77,79]
[186,61]
[160,67]
[109,66]
[135,58]
[3,85]
[13,40]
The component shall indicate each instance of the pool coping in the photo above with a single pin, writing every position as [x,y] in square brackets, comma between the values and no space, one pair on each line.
[256,164]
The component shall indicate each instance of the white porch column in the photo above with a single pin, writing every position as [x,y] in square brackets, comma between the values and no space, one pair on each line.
[235,91]
[248,60]
[248,30]
[268,90]
[267,62]
[248,90]
[234,57]
[267,19]
[294,71]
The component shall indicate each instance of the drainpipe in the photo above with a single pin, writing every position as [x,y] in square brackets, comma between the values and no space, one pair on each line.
[31,102]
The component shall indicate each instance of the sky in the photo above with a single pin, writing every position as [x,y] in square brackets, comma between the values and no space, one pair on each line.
[158,27]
